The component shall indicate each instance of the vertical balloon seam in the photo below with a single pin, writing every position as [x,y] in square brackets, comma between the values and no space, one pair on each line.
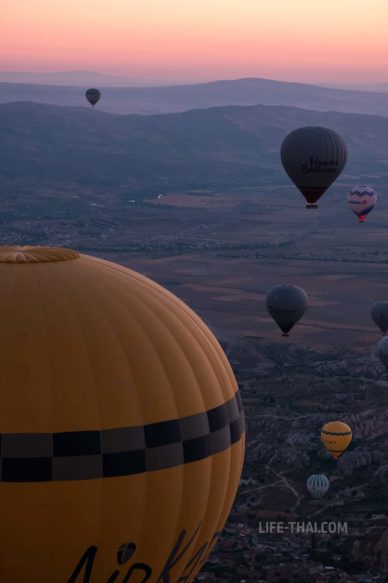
[168,330]
[74,309]
[117,284]
[174,533]
[220,381]
[187,311]
[44,327]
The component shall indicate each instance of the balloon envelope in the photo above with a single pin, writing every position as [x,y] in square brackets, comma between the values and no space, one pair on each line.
[93,96]
[336,437]
[379,314]
[317,485]
[361,200]
[286,304]
[382,351]
[122,432]
[313,158]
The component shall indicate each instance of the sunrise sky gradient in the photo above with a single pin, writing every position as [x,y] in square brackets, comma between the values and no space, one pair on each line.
[314,41]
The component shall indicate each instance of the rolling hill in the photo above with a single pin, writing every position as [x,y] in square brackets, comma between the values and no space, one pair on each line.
[46,147]
[170,99]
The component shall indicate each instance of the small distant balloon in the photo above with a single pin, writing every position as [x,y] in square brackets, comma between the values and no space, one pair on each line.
[317,485]
[379,314]
[313,157]
[361,200]
[382,351]
[286,304]
[336,437]
[93,96]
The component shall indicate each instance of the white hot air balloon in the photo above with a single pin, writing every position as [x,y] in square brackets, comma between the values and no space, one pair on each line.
[317,485]
[361,200]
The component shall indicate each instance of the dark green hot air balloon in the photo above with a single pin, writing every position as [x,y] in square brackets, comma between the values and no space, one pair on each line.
[93,96]
[313,158]
[286,304]
[379,314]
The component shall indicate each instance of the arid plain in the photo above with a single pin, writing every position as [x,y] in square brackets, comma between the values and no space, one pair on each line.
[233,247]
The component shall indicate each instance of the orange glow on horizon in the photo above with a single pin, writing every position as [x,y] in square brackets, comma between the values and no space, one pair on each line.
[341,40]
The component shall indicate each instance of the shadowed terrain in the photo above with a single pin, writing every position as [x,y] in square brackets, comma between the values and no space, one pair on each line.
[175,98]
[48,149]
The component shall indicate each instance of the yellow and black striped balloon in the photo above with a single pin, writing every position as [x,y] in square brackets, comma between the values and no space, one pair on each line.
[122,431]
[336,437]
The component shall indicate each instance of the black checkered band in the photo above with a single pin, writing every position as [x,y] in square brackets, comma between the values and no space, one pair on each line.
[336,433]
[87,455]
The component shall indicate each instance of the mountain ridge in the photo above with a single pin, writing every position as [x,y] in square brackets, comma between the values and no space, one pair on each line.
[205,148]
[75,78]
[176,98]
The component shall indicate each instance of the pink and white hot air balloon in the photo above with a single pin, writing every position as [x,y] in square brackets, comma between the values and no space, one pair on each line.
[361,200]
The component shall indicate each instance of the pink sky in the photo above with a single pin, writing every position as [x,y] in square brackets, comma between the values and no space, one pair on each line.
[302,40]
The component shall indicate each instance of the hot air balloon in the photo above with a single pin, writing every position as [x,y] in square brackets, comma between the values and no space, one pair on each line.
[317,485]
[379,314]
[122,432]
[313,157]
[93,96]
[382,351]
[336,437]
[286,304]
[361,200]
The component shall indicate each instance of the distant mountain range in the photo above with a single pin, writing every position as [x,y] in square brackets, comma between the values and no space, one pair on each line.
[171,99]
[45,147]
[375,87]
[77,78]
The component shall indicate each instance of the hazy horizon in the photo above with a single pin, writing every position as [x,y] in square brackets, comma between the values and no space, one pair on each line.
[68,77]
[180,42]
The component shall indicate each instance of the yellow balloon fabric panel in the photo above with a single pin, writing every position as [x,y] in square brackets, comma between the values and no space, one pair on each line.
[122,429]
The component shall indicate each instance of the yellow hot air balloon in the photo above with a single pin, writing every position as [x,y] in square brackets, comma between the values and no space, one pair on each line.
[336,437]
[122,431]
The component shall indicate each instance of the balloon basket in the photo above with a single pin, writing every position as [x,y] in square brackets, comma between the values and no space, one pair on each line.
[311,206]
